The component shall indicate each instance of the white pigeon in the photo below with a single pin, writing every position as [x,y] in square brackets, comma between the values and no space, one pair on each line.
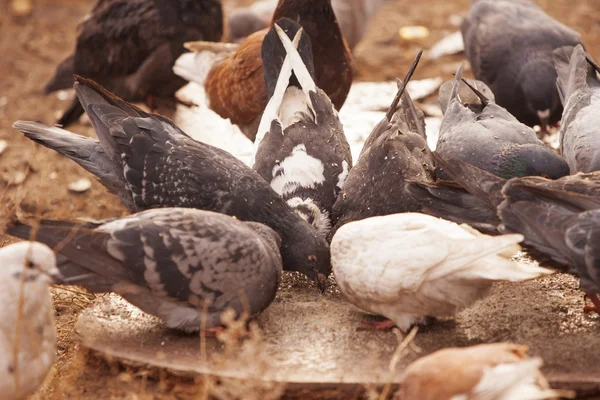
[27,332]
[498,371]
[409,266]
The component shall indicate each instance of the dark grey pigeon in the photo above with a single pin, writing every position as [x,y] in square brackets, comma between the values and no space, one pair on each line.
[465,95]
[494,140]
[149,162]
[509,44]
[395,151]
[301,148]
[560,219]
[130,47]
[579,89]
[184,266]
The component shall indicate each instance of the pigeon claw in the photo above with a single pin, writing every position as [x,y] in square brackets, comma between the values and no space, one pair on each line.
[595,301]
[385,325]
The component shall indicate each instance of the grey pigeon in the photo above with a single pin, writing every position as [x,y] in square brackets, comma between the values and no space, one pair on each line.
[130,47]
[579,90]
[395,151]
[149,162]
[494,140]
[465,95]
[27,332]
[182,265]
[509,44]
[560,219]
[301,148]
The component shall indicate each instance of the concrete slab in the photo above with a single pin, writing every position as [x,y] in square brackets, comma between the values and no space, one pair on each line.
[312,341]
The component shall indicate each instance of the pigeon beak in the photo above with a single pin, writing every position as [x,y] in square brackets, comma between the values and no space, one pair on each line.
[321,281]
[56,277]
[544,117]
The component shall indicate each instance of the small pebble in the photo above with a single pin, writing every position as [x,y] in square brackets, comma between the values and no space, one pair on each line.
[413,32]
[80,186]
[3,146]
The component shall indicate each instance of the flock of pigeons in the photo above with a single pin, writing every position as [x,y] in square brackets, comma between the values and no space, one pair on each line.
[208,233]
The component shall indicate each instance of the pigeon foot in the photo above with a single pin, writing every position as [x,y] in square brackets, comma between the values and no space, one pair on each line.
[595,301]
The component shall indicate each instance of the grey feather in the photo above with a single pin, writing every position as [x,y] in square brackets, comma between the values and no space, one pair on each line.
[509,44]
[186,260]
[492,139]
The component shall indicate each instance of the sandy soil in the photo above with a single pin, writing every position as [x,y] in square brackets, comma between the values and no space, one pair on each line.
[31,47]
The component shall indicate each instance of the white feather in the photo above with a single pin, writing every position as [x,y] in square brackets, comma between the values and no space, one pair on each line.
[513,381]
[37,335]
[409,265]
[298,170]
[271,112]
[300,70]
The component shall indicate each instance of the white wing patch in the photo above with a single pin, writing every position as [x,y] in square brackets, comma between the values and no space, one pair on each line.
[343,175]
[298,170]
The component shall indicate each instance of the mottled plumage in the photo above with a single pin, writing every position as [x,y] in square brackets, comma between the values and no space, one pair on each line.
[149,162]
[235,84]
[182,265]
[579,88]
[493,140]
[301,149]
[130,46]
[497,371]
[396,151]
[509,44]
[26,271]
[408,266]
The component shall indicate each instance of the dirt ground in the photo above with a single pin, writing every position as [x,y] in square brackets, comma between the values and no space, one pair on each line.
[31,47]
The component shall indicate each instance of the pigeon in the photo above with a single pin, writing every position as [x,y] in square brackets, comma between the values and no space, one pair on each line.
[509,44]
[301,148]
[181,265]
[579,89]
[493,140]
[27,332]
[497,371]
[130,47]
[395,151]
[352,15]
[233,76]
[409,266]
[559,219]
[149,162]
[465,95]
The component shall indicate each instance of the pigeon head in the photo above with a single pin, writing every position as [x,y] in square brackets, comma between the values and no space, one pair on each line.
[531,160]
[31,264]
[307,252]
[541,95]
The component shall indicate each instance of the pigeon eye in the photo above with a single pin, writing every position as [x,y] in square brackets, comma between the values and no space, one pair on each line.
[545,176]
[312,259]
[29,264]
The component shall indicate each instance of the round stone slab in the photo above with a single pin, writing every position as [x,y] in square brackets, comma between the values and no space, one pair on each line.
[313,341]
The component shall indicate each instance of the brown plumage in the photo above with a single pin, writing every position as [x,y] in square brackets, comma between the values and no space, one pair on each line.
[236,88]
[489,371]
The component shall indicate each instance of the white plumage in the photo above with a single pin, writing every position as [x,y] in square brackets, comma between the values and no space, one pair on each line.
[27,332]
[407,266]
